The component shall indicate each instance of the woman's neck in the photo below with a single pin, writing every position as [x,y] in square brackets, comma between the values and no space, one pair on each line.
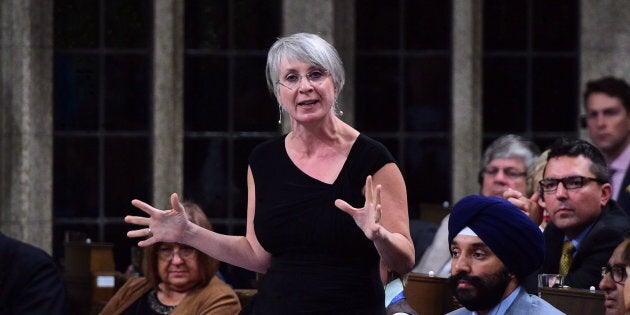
[170,297]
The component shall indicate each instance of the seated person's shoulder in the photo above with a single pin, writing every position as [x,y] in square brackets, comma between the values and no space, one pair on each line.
[26,256]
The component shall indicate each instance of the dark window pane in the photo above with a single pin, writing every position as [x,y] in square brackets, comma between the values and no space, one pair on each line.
[504,95]
[127,92]
[116,234]
[254,108]
[75,177]
[544,141]
[555,25]
[427,173]
[76,23]
[505,24]
[242,149]
[127,175]
[257,23]
[428,24]
[206,24]
[76,92]
[428,94]
[377,24]
[128,23]
[205,175]
[206,93]
[555,87]
[377,84]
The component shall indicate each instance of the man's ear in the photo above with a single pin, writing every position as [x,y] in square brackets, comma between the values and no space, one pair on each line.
[606,193]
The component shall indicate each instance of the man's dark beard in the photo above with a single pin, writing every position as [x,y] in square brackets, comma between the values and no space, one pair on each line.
[488,291]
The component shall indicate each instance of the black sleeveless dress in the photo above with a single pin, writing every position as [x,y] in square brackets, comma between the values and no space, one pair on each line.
[322,263]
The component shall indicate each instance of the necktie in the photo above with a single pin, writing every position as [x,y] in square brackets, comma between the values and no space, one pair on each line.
[566,258]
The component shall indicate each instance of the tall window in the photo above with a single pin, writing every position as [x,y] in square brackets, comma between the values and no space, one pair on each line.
[530,69]
[102,82]
[228,109]
[403,96]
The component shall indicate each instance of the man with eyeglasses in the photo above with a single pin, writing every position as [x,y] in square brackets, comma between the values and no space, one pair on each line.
[613,281]
[586,224]
[607,108]
[507,163]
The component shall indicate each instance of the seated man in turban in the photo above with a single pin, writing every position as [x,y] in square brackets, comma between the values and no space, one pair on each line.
[508,163]
[494,247]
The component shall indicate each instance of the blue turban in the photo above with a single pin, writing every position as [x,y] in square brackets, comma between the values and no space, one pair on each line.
[507,231]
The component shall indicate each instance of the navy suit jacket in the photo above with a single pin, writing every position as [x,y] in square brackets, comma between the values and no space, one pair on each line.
[594,250]
[624,193]
[30,282]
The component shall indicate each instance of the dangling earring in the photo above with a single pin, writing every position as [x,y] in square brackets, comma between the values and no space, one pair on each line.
[279,114]
[338,110]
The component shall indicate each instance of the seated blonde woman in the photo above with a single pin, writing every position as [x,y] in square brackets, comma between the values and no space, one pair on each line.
[179,280]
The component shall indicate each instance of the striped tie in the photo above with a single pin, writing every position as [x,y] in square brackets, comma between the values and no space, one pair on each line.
[566,258]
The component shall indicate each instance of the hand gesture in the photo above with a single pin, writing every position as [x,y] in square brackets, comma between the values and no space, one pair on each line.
[161,225]
[368,217]
[528,205]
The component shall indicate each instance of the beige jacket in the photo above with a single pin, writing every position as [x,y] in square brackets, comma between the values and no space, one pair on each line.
[217,298]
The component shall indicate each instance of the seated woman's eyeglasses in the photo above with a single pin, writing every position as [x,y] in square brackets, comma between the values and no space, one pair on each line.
[569,182]
[509,172]
[617,273]
[167,253]
[292,80]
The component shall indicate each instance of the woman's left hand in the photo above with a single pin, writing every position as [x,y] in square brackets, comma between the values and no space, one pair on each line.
[368,217]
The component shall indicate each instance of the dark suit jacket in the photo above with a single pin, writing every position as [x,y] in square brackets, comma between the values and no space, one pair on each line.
[594,251]
[30,282]
[624,193]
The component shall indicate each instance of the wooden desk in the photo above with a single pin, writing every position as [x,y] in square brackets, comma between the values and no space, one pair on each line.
[429,295]
[84,265]
[574,301]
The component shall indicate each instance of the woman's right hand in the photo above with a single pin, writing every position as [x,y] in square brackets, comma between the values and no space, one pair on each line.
[161,225]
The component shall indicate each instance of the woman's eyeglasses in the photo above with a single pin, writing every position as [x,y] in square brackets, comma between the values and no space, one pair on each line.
[167,253]
[292,80]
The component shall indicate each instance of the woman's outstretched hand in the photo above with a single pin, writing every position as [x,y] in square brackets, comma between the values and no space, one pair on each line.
[161,225]
[368,217]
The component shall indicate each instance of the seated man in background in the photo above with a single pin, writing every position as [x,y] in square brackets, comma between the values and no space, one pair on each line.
[586,224]
[179,280]
[494,247]
[30,282]
[613,281]
[507,163]
[395,300]
[607,108]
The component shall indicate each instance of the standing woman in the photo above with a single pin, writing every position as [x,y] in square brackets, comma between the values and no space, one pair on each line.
[318,252]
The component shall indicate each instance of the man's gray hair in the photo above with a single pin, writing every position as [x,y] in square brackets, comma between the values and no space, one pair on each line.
[512,146]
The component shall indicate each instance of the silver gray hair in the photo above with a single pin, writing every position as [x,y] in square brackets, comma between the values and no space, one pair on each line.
[305,47]
[512,146]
